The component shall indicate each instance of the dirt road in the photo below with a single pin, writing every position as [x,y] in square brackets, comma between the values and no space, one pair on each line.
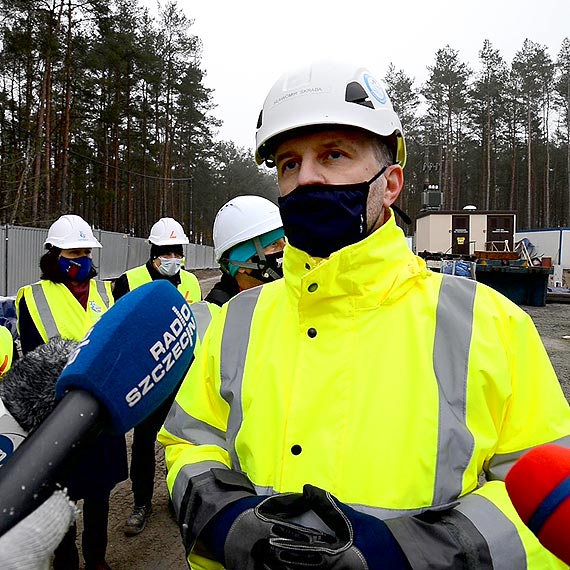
[159,547]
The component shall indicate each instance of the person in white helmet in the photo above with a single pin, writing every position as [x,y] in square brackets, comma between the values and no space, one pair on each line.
[166,239]
[66,302]
[67,274]
[248,245]
[363,411]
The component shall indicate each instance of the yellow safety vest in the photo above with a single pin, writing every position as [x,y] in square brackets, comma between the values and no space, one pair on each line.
[390,386]
[56,312]
[6,350]
[189,285]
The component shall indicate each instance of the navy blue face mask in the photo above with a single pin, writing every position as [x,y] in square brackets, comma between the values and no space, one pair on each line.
[320,219]
[77,269]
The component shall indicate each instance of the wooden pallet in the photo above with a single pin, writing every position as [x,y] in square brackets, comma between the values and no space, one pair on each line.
[497,255]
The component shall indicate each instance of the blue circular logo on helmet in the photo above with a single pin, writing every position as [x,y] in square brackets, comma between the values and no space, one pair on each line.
[376,90]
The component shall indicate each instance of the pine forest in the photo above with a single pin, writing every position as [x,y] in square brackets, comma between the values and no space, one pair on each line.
[104,113]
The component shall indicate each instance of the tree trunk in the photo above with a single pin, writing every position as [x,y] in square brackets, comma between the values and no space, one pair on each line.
[66,123]
[38,145]
[488,160]
[529,170]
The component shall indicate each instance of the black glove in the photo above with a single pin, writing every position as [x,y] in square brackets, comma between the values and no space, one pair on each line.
[239,535]
[353,541]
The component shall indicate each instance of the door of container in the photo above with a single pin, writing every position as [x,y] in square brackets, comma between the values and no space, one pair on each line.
[460,234]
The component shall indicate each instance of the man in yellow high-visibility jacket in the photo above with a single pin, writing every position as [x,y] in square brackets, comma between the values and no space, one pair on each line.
[361,387]
[166,239]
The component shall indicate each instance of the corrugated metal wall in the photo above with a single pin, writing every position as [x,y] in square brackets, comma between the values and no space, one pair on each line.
[21,248]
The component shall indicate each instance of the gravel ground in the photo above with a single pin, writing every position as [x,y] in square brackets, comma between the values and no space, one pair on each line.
[159,547]
[553,324]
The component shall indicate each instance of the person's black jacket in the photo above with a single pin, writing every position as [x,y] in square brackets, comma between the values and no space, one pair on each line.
[223,290]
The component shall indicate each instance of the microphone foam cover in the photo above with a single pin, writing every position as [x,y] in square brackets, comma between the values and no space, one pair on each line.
[136,354]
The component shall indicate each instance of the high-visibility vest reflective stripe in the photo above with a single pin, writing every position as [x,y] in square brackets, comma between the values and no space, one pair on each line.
[46,304]
[203,313]
[235,341]
[450,357]
[189,285]
[484,515]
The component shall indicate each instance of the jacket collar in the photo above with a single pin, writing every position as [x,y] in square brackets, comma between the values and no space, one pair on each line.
[377,269]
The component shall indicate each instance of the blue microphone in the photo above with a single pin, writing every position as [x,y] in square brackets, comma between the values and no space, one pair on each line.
[132,359]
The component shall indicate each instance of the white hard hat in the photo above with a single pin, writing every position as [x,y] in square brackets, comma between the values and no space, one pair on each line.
[241,219]
[167,231]
[70,232]
[327,93]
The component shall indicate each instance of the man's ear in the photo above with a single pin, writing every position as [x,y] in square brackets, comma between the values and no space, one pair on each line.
[394,183]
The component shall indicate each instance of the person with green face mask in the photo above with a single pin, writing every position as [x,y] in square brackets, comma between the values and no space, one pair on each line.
[167,240]
[248,244]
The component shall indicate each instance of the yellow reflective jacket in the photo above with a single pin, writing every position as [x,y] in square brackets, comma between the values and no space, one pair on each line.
[388,385]
[189,285]
[56,312]
[6,350]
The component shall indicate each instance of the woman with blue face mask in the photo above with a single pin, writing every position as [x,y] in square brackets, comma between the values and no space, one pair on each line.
[66,302]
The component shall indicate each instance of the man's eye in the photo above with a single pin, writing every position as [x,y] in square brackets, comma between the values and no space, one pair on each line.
[289,165]
[334,154]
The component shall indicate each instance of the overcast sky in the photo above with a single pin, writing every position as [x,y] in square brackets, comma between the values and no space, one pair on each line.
[248,44]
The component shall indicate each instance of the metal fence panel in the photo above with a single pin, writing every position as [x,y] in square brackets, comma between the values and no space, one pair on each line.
[114,254]
[138,252]
[190,256]
[24,247]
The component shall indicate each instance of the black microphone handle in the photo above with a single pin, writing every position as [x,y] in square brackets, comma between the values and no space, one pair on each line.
[28,478]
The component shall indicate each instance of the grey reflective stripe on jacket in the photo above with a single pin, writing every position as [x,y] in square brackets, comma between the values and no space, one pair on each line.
[450,359]
[233,353]
[202,316]
[102,290]
[502,538]
[501,464]
[44,311]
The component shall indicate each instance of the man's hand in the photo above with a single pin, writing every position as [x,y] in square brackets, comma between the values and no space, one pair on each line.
[356,541]
[247,545]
